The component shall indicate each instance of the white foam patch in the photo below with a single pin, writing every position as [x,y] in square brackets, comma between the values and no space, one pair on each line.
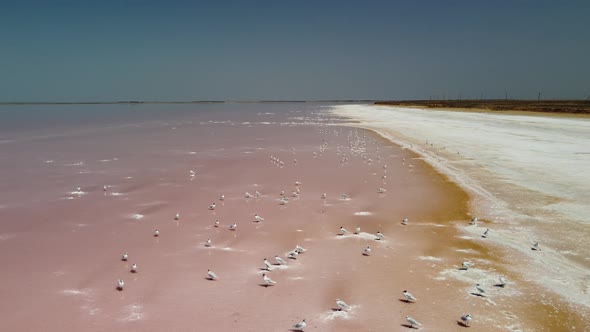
[7,236]
[339,314]
[117,194]
[137,216]
[363,213]
[134,312]
[360,236]
[80,163]
[468,251]
[74,292]
[430,258]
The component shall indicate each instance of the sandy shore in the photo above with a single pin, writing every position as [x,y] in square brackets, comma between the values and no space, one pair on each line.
[62,248]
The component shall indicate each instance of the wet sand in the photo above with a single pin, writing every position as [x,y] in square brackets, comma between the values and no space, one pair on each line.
[62,250]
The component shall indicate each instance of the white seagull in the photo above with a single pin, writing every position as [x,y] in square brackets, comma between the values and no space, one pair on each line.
[297,183]
[292,254]
[177,216]
[473,221]
[412,321]
[104,188]
[283,201]
[357,230]
[536,246]
[342,305]
[343,231]
[212,206]
[301,325]
[267,281]
[233,227]
[367,251]
[192,173]
[248,195]
[211,275]
[324,196]
[222,197]
[208,243]
[381,190]
[125,256]
[405,221]
[279,260]
[466,319]
[344,196]
[379,236]
[409,297]
[156,233]
[134,268]
[258,194]
[258,218]
[299,249]
[216,224]
[466,265]
[267,265]
[120,284]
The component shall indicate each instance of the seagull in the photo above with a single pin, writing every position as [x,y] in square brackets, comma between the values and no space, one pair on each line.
[282,193]
[258,194]
[134,268]
[295,194]
[248,195]
[233,227]
[104,188]
[293,254]
[409,297]
[342,305]
[473,221]
[381,190]
[480,289]
[297,183]
[211,275]
[466,265]
[216,224]
[485,234]
[283,201]
[357,230]
[344,196]
[78,189]
[268,281]
[502,282]
[279,260]
[192,173]
[379,236]
[301,325]
[156,233]
[258,218]
[120,284]
[412,321]
[367,251]
[208,243]
[405,221]
[222,197]
[466,319]
[267,265]
[299,249]
[343,231]
[125,256]
[324,196]
[212,206]
[177,216]
[536,246]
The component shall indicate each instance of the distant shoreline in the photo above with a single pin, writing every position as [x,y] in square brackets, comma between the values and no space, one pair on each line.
[500,105]
[133,102]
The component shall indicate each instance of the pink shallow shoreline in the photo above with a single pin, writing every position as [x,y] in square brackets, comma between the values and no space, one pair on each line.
[64,254]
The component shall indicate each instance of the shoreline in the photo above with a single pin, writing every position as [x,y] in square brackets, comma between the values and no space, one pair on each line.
[551,318]
[545,107]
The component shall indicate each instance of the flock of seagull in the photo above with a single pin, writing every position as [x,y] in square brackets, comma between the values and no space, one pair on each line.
[464,320]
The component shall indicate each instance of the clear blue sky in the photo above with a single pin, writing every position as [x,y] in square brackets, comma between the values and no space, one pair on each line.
[251,50]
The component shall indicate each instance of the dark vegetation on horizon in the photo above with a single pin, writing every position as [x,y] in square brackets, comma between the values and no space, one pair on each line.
[551,106]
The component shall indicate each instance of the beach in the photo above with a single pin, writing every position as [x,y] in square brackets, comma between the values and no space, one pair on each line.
[62,247]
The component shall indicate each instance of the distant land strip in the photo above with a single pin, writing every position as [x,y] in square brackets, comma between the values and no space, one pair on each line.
[183,102]
[548,106]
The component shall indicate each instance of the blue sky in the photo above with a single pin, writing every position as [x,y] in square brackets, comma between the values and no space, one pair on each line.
[253,50]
